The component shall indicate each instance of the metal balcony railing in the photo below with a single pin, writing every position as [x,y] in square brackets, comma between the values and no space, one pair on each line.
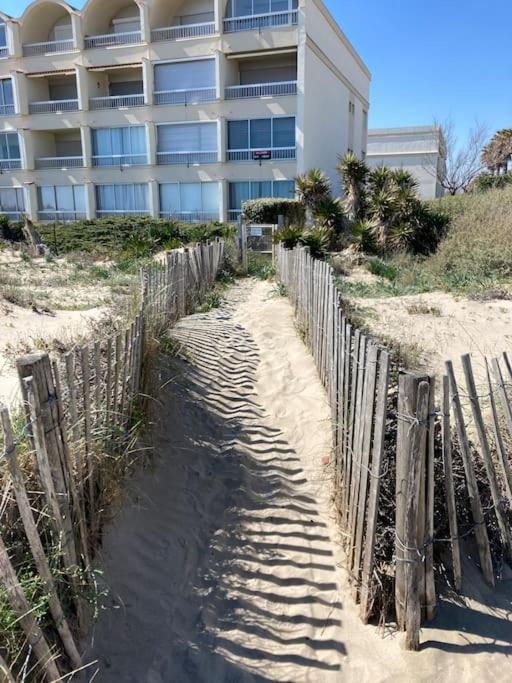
[113,39]
[60,216]
[268,154]
[59,162]
[4,52]
[13,215]
[117,160]
[117,101]
[53,106]
[257,22]
[122,212]
[9,164]
[191,216]
[49,47]
[234,215]
[7,109]
[183,32]
[195,96]
[282,88]
[187,158]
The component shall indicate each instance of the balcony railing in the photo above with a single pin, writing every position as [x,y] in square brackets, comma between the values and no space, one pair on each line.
[236,92]
[13,215]
[6,109]
[256,22]
[122,212]
[60,216]
[4,52]
[118,160]
[117,101]
[187,158]
[234,215]
[195,96]
[277,153]
[53,106]
[49,47]
[183,32]
[9,164]
[191,216]
[113,39]
[59,162]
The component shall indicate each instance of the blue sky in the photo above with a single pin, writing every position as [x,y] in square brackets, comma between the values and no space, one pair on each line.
[429,58]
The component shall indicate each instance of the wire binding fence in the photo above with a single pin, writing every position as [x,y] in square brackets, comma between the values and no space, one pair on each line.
[78,417]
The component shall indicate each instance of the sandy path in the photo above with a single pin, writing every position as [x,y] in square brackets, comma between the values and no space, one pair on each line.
[223,567]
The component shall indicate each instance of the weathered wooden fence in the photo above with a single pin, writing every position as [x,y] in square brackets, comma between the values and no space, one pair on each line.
[79,419]
[395,452]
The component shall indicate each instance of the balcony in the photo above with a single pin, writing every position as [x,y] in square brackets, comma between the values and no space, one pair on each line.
[53,106]
[9,164]
[48,47]
[257,22]
[7,109]
[186,158]
[191,216]
[62,163]
[276,154]
[183,32]
[279,89]
[4,52]
[113,39]
[116,101]
[186,97]
[119,160]
[60,216]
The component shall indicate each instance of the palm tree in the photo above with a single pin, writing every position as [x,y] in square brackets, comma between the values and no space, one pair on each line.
[313,187]
[380,179]
[353,172]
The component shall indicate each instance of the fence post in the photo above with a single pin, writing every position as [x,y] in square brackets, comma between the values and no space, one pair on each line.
[242,236]
[413,419]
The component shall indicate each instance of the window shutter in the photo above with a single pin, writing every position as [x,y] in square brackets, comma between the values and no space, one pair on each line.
[185,75]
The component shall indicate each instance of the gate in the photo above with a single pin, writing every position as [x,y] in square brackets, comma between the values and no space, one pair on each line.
[255,239]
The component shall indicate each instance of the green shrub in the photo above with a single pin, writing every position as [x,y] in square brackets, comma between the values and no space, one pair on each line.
[261,211]
[383,269]
[317,239]
[487,181]
[289,237]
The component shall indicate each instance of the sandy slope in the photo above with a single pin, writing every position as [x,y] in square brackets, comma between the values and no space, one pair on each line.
[223,567]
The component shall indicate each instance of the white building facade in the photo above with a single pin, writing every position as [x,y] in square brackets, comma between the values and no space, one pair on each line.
[172,108]
[419,150]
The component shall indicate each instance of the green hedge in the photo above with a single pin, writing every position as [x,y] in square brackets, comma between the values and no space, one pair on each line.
[269,210]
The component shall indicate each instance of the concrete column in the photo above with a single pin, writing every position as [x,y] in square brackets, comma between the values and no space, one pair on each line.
[151,143]
[148,79]
[90,200]
[26,138]
[221,139]
[154,199]
[82,86]
[14,39]
[31,201]
[145,25]
[218,6]
[20,92]
[78,31]
[220,74]
[86,137]
[223,200]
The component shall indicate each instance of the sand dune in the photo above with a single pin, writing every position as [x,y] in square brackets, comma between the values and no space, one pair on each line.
[224,565]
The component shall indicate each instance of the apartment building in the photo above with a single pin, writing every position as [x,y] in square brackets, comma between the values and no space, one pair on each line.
[420,150]
[172,108]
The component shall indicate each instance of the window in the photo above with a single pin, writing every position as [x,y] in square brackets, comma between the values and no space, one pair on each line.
[185,82]
[61,202]
[3,37]
[200,18]
[276,135]
[119,146]
[6,97]
[246,8]
[184,143]
[12,202]
[190,201]
[129,199]
[242,191]
[10,156]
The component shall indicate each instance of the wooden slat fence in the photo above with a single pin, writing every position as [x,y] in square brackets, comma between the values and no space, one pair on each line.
[79,417]
[396,452]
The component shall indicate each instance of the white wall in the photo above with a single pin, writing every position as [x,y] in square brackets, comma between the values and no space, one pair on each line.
[417,150]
